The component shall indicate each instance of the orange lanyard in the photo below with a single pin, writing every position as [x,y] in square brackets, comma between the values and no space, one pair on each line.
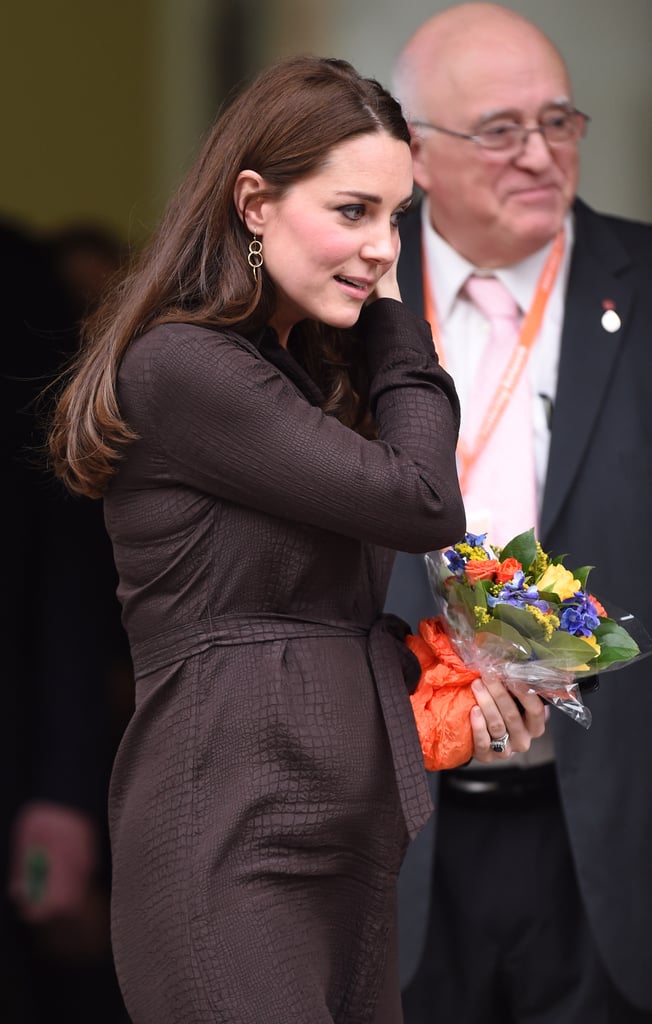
[468,455]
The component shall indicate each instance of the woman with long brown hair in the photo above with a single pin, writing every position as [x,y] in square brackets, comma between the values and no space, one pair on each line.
[266,422]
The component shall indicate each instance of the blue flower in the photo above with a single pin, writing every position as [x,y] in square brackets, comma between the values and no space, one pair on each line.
[579,616]
[515,593]
[476,540]
[455,561]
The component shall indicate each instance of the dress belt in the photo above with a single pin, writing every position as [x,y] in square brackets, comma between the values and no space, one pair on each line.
[394,669]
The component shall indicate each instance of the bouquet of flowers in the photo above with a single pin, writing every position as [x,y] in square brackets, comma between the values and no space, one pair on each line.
[521,613]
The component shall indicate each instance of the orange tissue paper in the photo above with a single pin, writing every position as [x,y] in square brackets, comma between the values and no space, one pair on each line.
[443,698]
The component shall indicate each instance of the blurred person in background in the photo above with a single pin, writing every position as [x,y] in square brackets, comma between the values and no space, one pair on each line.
[86,257]
[58,621]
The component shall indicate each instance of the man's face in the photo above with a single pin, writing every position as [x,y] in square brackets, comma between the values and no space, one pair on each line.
[496,208]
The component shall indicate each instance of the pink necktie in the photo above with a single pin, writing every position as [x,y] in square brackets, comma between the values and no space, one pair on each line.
[500,490]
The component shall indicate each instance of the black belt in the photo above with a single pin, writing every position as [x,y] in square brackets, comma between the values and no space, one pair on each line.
[499,785]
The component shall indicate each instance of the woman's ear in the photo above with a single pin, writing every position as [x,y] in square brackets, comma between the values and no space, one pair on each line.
[249,197]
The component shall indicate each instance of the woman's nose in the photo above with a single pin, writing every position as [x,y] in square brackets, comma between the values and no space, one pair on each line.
[381,247]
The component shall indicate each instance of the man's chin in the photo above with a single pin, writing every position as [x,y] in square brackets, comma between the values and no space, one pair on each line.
[535,228]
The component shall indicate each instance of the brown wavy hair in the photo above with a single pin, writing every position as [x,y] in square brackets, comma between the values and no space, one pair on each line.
[194,269]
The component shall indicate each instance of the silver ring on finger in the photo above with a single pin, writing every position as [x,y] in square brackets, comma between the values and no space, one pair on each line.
[499,746]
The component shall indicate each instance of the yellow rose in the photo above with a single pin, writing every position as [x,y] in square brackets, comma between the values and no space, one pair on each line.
[592,640]
[559,581]
[593,643]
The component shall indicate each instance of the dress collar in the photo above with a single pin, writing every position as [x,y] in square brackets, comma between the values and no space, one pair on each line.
[268,345]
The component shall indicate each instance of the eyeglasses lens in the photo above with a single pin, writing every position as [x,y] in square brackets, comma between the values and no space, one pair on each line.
[556,129]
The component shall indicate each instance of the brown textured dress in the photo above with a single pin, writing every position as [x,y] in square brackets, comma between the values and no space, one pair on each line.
[264,789]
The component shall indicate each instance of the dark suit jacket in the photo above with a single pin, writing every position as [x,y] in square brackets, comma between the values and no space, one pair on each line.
[597,507]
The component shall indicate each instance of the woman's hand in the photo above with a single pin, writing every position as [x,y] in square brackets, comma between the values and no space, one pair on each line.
[497,714]
[66,843]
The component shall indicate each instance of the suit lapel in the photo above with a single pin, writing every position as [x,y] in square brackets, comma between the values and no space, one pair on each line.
[588,355]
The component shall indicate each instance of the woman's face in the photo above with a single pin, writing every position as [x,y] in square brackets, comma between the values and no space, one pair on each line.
[331,236]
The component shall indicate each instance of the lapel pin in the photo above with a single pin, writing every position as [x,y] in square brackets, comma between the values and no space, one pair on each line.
[610,321]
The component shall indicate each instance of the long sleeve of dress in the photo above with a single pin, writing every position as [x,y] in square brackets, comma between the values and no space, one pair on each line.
[227,422]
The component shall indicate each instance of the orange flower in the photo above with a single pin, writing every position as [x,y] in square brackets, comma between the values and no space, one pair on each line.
[507,569]
[443,698]
[480,569]
[598,607]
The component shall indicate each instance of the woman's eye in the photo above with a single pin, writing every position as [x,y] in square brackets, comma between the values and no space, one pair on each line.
[354,212]
[397,216]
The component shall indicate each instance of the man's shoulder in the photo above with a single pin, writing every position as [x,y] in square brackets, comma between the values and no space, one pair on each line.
[635,235]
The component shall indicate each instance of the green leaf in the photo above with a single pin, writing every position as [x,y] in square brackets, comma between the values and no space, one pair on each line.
[523,548]
[553,599]
[582,574]
[615,642]
[608,628]
[460,596]
[564,650]
[518,645]
[521,620]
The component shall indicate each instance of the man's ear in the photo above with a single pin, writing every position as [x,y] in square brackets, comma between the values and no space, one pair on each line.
[420,168]
[249,196]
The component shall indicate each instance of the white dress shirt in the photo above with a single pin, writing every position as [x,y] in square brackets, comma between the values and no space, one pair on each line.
[463,332]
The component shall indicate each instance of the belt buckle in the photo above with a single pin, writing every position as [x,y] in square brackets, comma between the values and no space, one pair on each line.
[472,785]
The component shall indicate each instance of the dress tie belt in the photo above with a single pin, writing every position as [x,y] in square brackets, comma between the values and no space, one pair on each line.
[393,667]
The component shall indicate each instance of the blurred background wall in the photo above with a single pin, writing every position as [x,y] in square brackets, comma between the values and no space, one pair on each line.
[104,105]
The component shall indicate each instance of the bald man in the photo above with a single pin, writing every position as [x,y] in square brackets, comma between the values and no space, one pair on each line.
[535,902]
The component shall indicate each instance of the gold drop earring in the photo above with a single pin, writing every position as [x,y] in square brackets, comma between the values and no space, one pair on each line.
[255,255]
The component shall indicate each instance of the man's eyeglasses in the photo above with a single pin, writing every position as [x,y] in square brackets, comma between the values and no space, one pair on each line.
[556,127]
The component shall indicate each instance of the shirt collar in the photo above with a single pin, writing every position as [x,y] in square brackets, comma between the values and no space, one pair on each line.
[448,270]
